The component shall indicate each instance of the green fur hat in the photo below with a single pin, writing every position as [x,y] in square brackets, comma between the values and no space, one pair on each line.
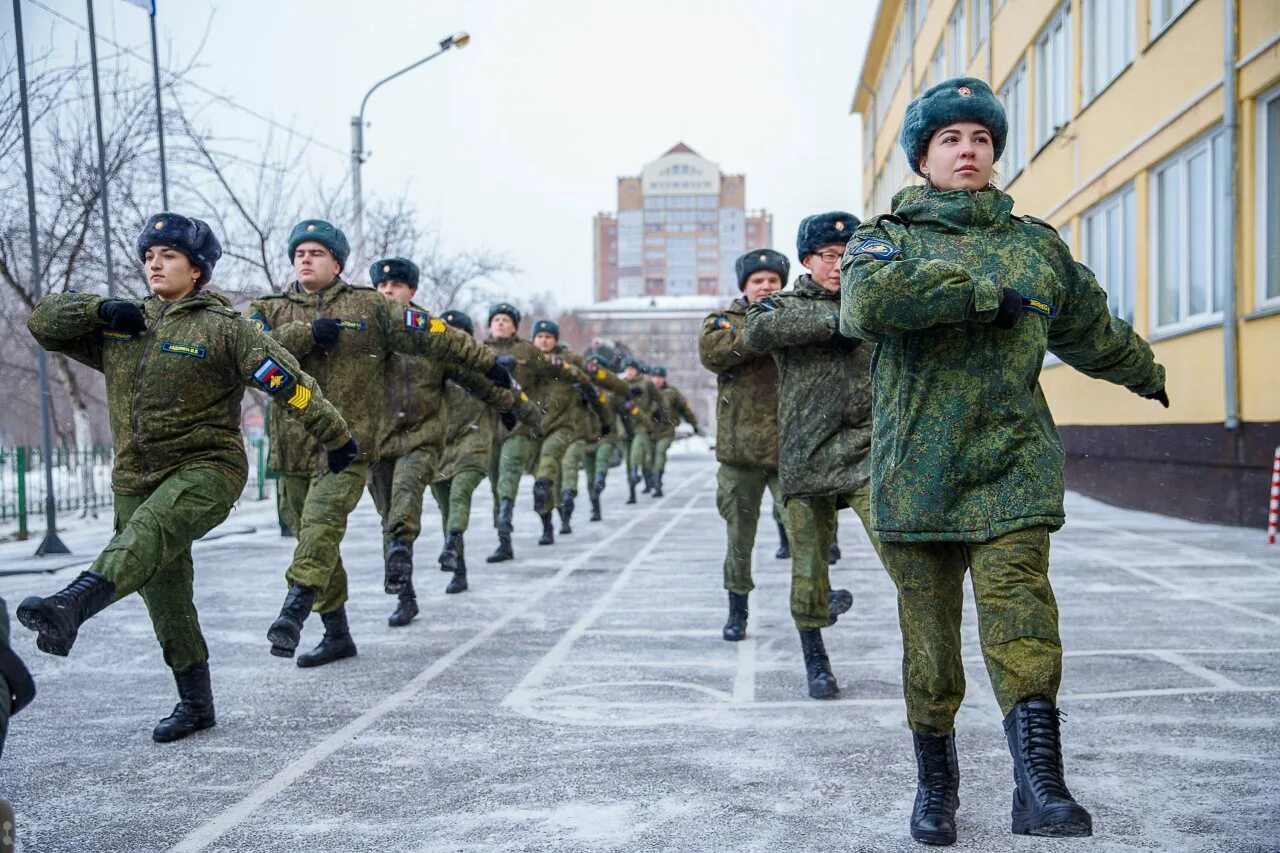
[551,327]
[459,320]
[823,229]
[758,260]
[658,370]
[505,308]
[191,237]
[957,99]
[319,231]
[394,269]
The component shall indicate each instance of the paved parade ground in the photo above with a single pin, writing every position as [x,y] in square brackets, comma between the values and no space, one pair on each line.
[581,698]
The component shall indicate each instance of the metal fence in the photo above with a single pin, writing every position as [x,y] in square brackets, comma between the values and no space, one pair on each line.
[82,481]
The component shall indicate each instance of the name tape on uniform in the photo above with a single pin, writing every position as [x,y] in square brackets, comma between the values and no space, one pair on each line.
[191,350]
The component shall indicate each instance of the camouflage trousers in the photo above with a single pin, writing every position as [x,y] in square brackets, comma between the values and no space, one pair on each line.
[453,496]
[315,507]
[739,490]
[551,457]
[597,459]
[1017,622]
[811,523]
[507,467]
[642,452]
[571,465]
[396,484]
[661,445]
[150,554]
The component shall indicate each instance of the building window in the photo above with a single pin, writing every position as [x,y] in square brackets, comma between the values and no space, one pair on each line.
[1189,245]
[938,65]
[1164,11]
[1014,98]
[1110,249]
[1053,76]
[1108,29]
[979,24]
[653,285]
[1268,198]
[956,36]
[921,8]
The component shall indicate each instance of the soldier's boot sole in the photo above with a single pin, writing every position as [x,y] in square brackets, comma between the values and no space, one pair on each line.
[284,635]
[1062,820]
[50,630]
[503,551]
[451,556]
[330,649]
[838,603]
[824,687]
[180,729]
[734,632]
[399,570]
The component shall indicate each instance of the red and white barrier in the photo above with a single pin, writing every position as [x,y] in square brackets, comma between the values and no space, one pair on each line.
[1274,515]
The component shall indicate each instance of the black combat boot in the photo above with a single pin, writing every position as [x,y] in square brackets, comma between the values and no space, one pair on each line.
[459,582]
[632,480]
[597,487]
[822,682]
[784,544]
[506,509]
[406,607]
[838,603]
[285,632]
[833,553]
[657,485]
[398,566]
[542,496]
[451,556]
[195,710]
[933,818]
[57,619]
[648,481]
[566,510]
[548,536]
[736,628]
[1042,805]
[336,643]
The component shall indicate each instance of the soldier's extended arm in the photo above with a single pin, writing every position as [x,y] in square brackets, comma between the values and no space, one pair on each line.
[501,399]
[69,323]
[884,293]
[686,411]
[603,377]
[264,363]
[564,370]
[1086,335]
[296,337]
[721,345]
[414,332]
[775,324]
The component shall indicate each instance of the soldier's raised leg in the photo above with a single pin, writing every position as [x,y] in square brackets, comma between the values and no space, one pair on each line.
[517,451]
[546,494]
[814,605]
[457,512]
[738,494]
[570,466]
[660,448]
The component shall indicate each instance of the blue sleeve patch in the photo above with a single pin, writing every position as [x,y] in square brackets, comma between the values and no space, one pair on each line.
[271,377]
[766,304]
[261,322]
[415,319]
[1040,306]
[881,250]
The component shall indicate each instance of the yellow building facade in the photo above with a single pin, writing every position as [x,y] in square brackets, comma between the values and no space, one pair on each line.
[1148,133]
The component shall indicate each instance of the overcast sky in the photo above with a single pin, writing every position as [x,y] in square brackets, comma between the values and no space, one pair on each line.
[514,142]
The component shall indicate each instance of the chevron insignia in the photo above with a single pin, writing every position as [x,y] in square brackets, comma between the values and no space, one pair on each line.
[301,397]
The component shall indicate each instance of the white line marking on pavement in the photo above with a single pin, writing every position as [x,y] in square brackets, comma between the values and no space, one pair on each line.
[744,683]
[520,698]
[211,831]
[1100,556]
[1189,666]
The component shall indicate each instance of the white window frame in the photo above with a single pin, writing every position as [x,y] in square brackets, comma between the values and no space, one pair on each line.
[1120,293]
[1049,53]
[938,64]
[957,55]
[1122,31]
[1186,321]
[1176,8]
[979,25]
[1015,147]
[1267,174]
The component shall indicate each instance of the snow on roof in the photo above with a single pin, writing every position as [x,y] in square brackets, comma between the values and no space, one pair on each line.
[657,304]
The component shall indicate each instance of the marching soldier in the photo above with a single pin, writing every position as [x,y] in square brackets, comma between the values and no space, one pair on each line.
[672,408]
[824,427]
[646,403]
[176,365]
[343,334]
[613,389]
[964,299]
[413,439]
[636,411]
[746,425]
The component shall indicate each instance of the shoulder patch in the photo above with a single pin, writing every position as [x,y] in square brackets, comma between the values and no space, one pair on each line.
[722,322]
[271,376]
[415,319]
[258,320]
[191,350]
[1031,220]
[766,304]
[1040,306]
[881,250]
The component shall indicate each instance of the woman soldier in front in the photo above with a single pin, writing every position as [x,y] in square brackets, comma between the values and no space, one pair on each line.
[964,299]
[176,366]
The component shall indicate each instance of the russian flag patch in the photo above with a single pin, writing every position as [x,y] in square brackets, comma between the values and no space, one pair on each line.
[271,377]
[415,319]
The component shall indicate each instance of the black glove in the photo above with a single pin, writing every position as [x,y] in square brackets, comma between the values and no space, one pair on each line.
[1161,397]
[498,375]
[508,419]
[844,343]
[122,316]
[635,391]
[343,456]
[507,360]
[325,331]
[1010,309]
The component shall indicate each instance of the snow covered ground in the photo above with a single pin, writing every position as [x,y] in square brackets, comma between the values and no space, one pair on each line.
[580,698]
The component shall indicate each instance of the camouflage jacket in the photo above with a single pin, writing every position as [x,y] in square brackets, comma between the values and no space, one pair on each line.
[824,391]
[965,447]
[530,371]
[672,408]
[559,395]
[471,432]
[746,391]
[611,394]
[174,392]
[643,401]
[352,372]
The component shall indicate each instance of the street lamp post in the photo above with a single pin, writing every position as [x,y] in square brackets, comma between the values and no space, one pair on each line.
[358,153]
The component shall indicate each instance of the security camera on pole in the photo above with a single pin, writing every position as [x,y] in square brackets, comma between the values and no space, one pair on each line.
[459,39]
